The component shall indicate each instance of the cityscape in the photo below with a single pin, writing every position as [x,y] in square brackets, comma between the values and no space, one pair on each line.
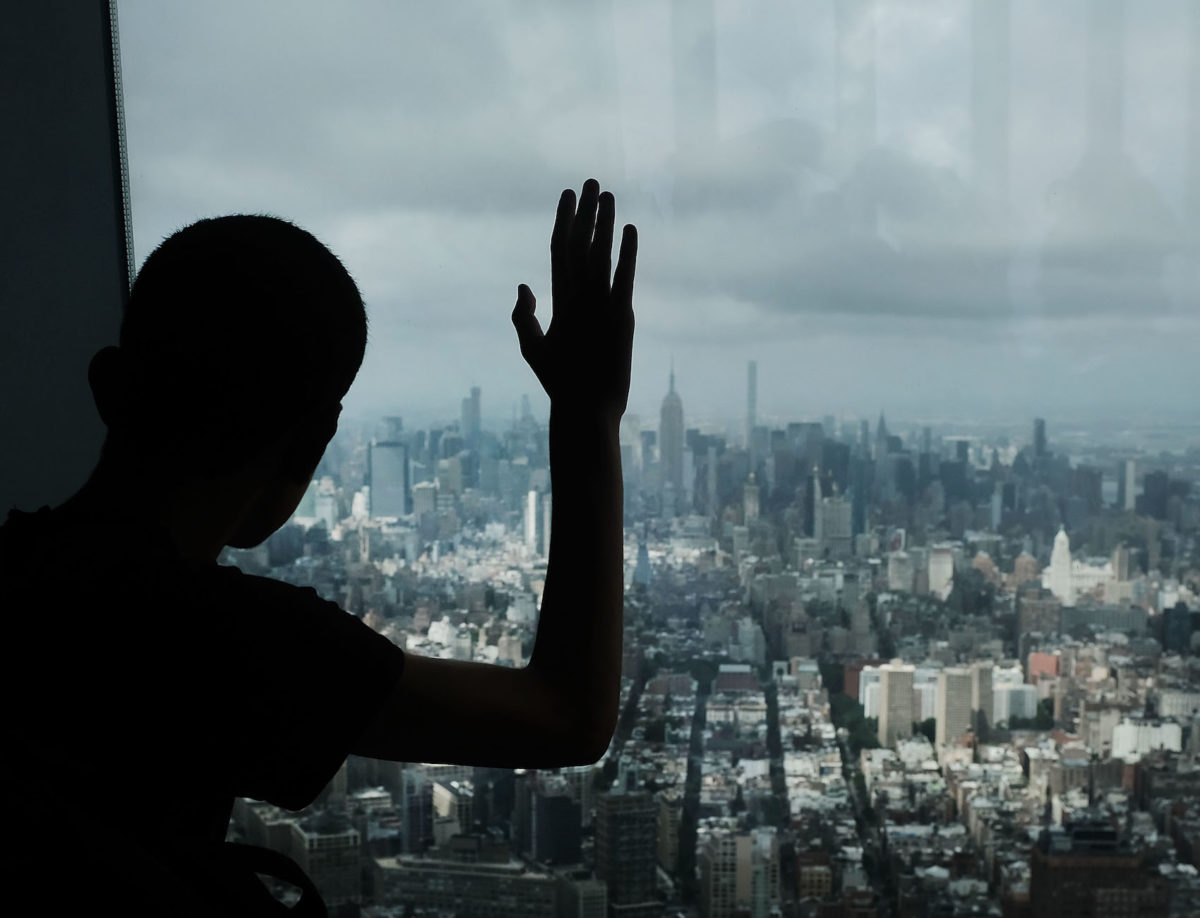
[911,467]
[871,668]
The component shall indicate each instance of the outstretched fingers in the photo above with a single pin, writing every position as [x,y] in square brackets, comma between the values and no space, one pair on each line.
[600,254]
[622,288]
[560,268]
[581,235]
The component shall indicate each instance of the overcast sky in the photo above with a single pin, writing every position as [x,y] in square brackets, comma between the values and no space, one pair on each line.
[886,245]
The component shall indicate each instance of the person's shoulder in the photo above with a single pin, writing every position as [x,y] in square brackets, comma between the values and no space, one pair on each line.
[263,590]
[266,608]
[20,527]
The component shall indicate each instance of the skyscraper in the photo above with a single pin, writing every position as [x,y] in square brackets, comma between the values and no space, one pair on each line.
[817,508]
[750,500]
[1126,484]
[941,571]
[626,847]
[531,521]
[1039,437]
[751,406]
[896,702]
[1057,577]
[953,705]
[388,477]
[739,873]
[670,440]
[471,418]
[982,702]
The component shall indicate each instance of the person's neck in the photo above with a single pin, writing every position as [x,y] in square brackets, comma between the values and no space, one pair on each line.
[197,514]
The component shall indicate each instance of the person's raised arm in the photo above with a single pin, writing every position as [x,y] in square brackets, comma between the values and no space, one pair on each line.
[562,708]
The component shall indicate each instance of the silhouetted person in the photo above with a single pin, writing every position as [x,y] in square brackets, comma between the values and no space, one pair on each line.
[148,685]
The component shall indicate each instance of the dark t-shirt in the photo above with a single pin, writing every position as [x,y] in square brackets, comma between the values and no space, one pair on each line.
[151,690]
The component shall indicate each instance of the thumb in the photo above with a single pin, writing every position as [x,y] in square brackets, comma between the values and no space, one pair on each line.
[529,330]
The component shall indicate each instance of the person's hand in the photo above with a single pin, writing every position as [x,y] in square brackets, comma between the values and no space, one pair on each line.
[582,360]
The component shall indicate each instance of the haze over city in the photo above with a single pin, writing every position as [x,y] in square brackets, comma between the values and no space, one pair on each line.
[942,210]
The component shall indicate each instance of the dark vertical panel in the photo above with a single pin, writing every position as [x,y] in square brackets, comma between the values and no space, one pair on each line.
[64,265]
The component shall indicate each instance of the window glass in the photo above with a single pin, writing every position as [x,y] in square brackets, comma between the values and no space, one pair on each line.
[912,453]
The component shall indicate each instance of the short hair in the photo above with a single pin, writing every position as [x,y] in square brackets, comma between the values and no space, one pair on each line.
[235,327]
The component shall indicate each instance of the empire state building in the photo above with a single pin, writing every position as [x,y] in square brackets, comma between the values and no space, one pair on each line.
[670,439]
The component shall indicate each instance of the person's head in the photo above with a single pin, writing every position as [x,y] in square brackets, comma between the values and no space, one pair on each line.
[240,337]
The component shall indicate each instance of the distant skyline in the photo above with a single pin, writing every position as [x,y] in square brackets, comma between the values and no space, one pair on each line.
[876,214]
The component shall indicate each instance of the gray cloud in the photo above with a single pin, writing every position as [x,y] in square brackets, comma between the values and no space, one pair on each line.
[427,143]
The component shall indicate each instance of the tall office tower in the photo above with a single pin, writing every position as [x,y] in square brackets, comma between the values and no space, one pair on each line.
[582,897]
[414,804]
[308,503]
[670,814]
[547,513]
[1156,492]
[471,418]
[710,475]
[556,823]
[649,446]
[1057,577]
[953,705]
[854,85]
[881,440]
[1120,563]
[982,703]
[388,477]
[739,873]
[750,500]
[1039,437]
[941,571]
[494,789]
[896,702]
[818,515]
[900,572]
[860,486]
[670,440]
[1126,484]
[836,526]
[393,427]
[751,406]
[424,498]
[327,846]
[626,848]
[990,33]
[531,522]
